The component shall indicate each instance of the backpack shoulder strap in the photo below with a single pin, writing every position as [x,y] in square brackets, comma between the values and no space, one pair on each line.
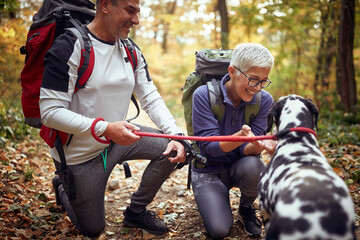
[216,99]
[130,52]
[253,109]
[131,55]
[81,34]
[218,107]
[87,60]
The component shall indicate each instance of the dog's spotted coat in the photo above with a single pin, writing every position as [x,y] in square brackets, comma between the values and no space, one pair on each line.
[300,195]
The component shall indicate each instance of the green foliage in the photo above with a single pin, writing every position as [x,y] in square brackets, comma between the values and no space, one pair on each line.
[355,175]
[8,5]
[339,134]
[41,197]
[12,126]
[339,128]
[28,173]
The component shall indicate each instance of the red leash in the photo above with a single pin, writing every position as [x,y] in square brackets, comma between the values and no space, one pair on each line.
[227,138]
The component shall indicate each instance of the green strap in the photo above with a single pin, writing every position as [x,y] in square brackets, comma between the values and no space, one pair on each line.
[216,99]
[218,108]
[252,110]
[104,158]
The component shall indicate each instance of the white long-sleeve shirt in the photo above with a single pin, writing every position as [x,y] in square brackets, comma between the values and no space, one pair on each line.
[106,94]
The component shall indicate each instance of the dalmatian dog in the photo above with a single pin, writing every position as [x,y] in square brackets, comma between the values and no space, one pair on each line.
[300,196]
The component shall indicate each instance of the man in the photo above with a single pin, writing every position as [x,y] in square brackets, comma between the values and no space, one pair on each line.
[98,110]
[232,163]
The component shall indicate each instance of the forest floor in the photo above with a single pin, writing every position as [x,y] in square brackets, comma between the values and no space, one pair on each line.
[28,209]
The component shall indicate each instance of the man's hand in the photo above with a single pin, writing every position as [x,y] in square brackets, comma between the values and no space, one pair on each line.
[179,148]
[121,133]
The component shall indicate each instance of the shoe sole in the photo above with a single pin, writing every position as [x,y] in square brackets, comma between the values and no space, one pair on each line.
[248,233]
[136,225]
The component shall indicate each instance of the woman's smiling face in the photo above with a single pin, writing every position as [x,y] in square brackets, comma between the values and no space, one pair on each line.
[238,88]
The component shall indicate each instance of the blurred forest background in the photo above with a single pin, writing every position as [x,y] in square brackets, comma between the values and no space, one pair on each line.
[316,45]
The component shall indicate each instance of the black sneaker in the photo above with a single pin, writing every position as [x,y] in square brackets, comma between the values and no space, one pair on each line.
[56,183]
[146,220]
[251,223]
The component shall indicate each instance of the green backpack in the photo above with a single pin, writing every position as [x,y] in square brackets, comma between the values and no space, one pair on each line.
[210,67]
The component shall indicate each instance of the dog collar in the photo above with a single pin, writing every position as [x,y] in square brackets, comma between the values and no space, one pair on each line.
[295,129]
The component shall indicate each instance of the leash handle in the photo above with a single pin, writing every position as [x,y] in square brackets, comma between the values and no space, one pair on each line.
[92,128]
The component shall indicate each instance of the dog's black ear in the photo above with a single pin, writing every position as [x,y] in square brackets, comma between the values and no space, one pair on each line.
[270,117]
[314,111]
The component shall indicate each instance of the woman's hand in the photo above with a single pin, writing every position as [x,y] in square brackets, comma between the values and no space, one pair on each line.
[269,146]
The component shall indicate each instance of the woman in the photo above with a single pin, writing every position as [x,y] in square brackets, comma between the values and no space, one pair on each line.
[233,163]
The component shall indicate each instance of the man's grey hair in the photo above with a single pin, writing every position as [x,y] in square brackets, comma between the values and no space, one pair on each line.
[247,55]
[113,2]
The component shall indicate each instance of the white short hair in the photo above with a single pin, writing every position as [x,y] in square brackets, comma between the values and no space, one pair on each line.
[247,55]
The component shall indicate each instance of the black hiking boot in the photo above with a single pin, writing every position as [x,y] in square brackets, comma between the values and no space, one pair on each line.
[146,220]
[251,223]
[56,183]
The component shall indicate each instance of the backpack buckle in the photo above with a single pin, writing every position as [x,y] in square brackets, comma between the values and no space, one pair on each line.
[66,13]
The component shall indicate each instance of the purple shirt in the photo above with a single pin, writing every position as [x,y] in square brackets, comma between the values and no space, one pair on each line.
[205,124]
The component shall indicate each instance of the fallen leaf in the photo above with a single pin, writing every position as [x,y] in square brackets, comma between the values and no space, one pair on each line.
[339,172]
[23,233]
[9,168]
[10,195]
[42,212]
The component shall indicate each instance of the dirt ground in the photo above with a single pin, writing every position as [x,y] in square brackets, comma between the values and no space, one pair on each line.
[174,203]
[28,210]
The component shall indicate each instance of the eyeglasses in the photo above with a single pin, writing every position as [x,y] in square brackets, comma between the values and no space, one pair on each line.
[254,82]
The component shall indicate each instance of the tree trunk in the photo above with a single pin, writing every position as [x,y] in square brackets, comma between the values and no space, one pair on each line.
[324,17]
[217,41]
[171,6]
[221,6]
[327,51]
[346,83]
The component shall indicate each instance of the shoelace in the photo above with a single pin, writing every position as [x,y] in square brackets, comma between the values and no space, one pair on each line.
[252,215]
[151,214]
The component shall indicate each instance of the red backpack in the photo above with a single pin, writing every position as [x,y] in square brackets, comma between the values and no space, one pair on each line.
[53,18]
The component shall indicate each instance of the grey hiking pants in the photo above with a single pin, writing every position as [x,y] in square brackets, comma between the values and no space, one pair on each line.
[87,211]
[212,195]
